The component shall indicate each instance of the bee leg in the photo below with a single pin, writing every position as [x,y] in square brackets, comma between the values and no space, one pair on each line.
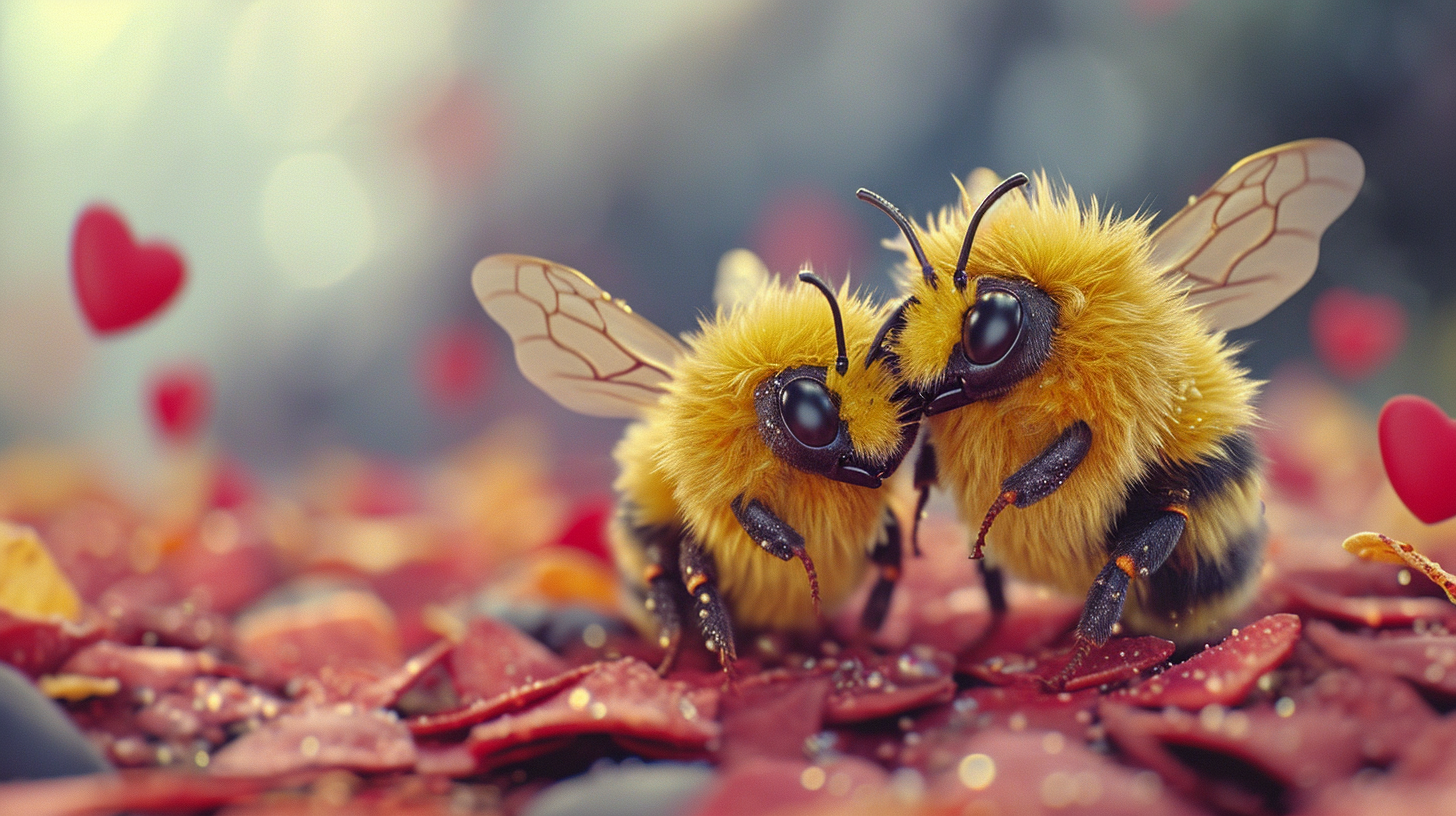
[994,582]
[925,476]
[886,554]
[1040,477]
[700,576]
[1135,556]
[777,537]
[663,589]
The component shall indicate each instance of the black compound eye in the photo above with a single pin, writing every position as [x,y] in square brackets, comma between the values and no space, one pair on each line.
[809,412]
[991,327]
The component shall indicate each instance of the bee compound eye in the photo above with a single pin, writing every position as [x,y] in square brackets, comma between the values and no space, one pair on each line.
[809,412]
[992,326]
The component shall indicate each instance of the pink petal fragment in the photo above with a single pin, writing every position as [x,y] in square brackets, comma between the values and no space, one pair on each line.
[619,698]
[770,785]
[337,737]
[883,686]
[495,657]
[153,667]
[1114,661]
[1221,674]
[1426,660]
[771,715]
[481,710]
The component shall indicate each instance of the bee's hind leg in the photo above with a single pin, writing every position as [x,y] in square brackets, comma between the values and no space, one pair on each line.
[1133,556]
[700,576]
[663,590]
[887,555]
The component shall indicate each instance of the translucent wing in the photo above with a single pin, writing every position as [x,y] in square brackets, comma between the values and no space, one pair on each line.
[741,274]
[584,348]
[1252,240]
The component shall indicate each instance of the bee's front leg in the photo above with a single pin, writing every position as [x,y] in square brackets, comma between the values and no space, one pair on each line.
[700,576]
[1040,477]
[886,554]
[1135,555]
[663,589]
[774,535]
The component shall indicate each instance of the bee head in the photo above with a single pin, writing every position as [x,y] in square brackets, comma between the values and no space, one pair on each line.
[1005,323]
[806,413]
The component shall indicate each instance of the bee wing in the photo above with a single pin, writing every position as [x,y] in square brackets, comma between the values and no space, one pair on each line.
[584,348]
[1252,239]
[741,274]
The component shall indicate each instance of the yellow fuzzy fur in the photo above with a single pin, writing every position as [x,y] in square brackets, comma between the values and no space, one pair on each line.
[1128,357]
[700,447]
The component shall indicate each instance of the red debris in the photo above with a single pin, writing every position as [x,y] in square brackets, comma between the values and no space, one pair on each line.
[1221,674]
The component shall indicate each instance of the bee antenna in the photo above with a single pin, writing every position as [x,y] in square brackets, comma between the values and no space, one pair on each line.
[841,364]
[905,226]
[1001,189]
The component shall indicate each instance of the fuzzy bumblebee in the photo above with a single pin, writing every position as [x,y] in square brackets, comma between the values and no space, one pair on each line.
[757,442]
[1073,365]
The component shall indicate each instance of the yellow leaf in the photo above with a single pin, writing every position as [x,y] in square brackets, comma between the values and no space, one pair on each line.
[31,585]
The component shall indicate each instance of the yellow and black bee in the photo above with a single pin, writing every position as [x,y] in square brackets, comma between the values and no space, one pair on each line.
[757,441]
[1073,365]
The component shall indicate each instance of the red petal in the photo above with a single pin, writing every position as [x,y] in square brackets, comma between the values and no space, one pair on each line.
[345,737]
[623,697]
[1221,674]
[1114,661]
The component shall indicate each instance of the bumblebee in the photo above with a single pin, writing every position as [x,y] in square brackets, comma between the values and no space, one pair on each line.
[1072,365]
[757,443]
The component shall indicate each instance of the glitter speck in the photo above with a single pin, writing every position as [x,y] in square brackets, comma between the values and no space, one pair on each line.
[687,709]
[594,636]
[1284,707]
[976,771]
[309,747]
[1053,742]
[1403,577]
[578,699]
[1058,789]
[598,710]
[812,778]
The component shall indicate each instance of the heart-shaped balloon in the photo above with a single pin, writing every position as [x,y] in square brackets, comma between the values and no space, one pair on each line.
[1356,334]
[180,399]
[1418,444]
[118,282]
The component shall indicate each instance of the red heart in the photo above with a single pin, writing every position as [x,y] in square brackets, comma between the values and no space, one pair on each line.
[1356,334]
[180,399]
[1418,444]
[119,283]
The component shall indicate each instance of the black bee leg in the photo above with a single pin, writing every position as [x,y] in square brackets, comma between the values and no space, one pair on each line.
[994,582]
[777,537]
[886,555]
[663,589]
[925,476]
[1040,477]
[700,577]
[1135,556]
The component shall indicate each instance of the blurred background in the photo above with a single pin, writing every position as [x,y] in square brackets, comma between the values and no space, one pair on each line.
[331,170]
